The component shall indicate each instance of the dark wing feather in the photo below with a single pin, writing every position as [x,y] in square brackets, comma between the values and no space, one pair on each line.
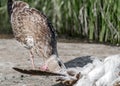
[38,72]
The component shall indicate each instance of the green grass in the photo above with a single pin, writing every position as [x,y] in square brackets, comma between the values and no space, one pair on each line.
[95,20]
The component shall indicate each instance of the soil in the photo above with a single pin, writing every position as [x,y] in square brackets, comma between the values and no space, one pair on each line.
[12,54]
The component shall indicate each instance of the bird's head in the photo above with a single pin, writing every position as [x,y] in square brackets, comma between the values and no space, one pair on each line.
[53,63]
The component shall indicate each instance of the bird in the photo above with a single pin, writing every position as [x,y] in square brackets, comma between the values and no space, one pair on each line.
[35,32]
[100,72]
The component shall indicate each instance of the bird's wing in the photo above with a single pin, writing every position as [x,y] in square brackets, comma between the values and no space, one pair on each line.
[22,21]
[45,33]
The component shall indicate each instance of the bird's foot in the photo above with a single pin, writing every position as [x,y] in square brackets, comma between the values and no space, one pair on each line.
[44,68]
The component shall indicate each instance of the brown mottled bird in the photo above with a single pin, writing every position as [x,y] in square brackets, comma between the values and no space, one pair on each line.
[35,32]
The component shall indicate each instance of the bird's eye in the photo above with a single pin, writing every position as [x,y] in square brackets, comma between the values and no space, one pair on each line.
[59,63]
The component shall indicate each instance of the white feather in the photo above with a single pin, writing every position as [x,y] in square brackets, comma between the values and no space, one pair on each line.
[112,69]
[101,73]
[84,81]
[29,42]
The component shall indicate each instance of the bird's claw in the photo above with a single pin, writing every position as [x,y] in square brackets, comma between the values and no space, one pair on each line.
[44,68]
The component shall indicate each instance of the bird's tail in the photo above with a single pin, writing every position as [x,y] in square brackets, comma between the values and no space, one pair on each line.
[9,7]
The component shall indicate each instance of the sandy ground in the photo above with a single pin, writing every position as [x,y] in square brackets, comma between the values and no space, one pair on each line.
[73,54]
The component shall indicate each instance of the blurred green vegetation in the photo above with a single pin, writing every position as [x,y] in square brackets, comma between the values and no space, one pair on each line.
[94,20]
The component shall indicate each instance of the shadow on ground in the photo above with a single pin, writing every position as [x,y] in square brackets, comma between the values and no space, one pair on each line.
[79,62]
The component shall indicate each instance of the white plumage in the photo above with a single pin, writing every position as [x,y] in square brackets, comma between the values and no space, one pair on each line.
[112,69]
[100,73]
[103,74]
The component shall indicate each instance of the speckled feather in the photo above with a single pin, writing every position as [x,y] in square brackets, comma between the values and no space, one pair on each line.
[29,22]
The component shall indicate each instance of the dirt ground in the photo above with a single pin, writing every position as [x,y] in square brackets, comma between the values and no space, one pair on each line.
[73,54]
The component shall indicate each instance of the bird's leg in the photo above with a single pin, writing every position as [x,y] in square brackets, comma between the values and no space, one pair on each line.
[45,66]
[32,59]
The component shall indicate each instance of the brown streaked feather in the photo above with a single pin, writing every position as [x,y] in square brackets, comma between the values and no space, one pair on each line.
[30,22]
